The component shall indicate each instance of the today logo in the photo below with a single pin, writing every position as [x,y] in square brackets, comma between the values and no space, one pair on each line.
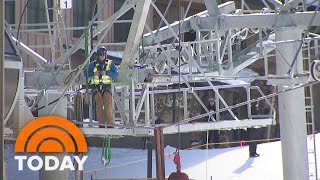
[50,134]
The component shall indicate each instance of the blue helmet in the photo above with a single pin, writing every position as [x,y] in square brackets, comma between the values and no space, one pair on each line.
[102,50]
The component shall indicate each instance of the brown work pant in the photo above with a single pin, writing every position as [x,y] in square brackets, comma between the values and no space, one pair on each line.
[103,107]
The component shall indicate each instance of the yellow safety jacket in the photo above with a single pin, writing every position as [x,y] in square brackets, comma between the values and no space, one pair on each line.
[105,79]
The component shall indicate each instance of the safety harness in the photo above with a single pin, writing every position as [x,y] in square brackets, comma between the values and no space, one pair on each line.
[102,79]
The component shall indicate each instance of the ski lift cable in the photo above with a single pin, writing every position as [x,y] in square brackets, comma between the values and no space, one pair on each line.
[179,135]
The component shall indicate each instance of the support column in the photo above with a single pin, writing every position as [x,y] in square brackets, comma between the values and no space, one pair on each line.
[2,167]
[292,109]
[212,7]
[149,166]
[158,136]
[61,111]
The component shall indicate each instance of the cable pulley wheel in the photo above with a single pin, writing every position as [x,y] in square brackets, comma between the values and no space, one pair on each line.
[315,70]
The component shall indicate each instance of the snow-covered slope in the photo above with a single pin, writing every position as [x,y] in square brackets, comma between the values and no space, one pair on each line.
[220,164]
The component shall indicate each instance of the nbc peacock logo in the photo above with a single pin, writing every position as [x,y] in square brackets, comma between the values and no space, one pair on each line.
[50,134]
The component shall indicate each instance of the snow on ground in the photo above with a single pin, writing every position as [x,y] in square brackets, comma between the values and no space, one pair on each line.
[218,164]
[235,164]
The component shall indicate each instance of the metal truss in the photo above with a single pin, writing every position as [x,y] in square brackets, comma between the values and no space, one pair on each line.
[215,55]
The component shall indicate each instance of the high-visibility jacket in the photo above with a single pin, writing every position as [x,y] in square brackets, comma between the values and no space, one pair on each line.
[104,79]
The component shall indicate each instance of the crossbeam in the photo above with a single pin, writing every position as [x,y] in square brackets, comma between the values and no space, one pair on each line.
[258,20]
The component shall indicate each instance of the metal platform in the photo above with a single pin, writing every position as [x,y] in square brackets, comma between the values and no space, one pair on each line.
[173,129]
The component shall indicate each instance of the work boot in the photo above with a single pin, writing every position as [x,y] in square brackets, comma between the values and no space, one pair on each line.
[254,155]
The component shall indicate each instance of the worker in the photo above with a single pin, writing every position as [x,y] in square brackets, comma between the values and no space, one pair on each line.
[254,133]
[101,73]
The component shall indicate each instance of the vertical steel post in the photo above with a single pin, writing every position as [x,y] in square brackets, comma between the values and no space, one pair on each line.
[152,108]
[132,112]
[81,172]
[2,166]
[185,104]
[147,105]
[158,135]
[149,165]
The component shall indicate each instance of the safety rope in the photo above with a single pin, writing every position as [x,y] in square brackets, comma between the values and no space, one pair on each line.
[71,74]
[106,151]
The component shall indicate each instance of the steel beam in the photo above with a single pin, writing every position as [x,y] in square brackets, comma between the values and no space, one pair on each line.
[212,7]
[36,57]
[127,5]
[258,20]
[276,3]
[135,33]
[103,132]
